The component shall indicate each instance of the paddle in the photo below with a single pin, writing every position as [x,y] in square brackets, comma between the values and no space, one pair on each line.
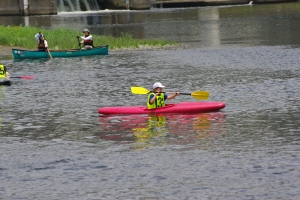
[24,77]
[49,53]
[79,44]
[199,95]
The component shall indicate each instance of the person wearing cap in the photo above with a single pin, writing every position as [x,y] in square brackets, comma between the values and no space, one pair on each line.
[37,36]
[157,98]
[87,39]
[43,44]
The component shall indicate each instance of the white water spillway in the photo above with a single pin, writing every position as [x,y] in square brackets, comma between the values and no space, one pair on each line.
[77,5]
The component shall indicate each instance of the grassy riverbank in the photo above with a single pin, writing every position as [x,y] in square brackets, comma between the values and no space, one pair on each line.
[19,36]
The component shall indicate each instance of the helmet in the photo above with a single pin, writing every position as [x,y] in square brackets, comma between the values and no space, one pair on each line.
[85,30]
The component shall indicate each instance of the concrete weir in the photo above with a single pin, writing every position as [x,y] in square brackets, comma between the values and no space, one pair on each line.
[49,7]
[28,7]
[127,4]
[194,3]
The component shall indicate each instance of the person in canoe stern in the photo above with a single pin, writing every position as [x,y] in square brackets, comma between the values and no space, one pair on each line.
[157,98]
[87,39]
[37,36]
[3,73]
[43,44]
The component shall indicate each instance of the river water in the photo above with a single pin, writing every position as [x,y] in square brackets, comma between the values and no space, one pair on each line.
[54,145]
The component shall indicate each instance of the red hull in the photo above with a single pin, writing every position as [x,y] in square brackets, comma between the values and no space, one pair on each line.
[183,107]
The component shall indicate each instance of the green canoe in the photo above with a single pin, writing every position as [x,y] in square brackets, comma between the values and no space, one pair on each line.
[25,54]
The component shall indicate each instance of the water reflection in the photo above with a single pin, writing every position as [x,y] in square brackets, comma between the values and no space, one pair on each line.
[2,102]
[2,93]
[153,130]
[204,26]
[211,32]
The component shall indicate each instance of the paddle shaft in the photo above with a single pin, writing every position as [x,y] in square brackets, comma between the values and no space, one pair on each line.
[179,93]
[79,44]
[49,53]
[200,95]
[184,93]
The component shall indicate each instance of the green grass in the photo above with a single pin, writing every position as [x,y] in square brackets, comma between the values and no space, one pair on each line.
[20,36]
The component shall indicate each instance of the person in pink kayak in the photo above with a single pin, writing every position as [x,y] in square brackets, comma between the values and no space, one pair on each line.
[157,97]
[3,73]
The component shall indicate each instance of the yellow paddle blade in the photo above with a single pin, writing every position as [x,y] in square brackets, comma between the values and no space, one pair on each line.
[200,95]
[139,90]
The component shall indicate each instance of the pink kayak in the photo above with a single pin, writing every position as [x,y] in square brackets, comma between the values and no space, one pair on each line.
[183,107]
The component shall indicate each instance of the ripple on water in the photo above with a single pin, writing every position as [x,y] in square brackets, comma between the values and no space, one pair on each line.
[54,144]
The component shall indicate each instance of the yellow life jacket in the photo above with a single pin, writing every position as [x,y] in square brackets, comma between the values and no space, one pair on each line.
[2,72]
[159,101]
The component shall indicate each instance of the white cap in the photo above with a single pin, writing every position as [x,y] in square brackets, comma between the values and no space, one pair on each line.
[157,84]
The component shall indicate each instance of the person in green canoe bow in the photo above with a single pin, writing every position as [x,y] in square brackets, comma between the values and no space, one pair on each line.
[157,98]
[87,39]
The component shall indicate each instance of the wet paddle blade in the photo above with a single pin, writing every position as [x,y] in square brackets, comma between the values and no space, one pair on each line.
[24,77]
[27,77]
[200,95]
[139,90]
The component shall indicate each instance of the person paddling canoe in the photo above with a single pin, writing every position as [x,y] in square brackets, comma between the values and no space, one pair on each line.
[43,44]
[157,98]
[87,39]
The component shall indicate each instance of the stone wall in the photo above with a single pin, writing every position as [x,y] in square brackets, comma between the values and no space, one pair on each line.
[139,4]
[125,4]
[35,7]
[42,7]
[272,1]
[8,7]
[49,7]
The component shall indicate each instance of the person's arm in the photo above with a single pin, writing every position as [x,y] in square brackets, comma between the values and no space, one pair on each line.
[173,96]
[7,76]
[46,43]
[37,37]
[90,37]
[82,37]
[152,98]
